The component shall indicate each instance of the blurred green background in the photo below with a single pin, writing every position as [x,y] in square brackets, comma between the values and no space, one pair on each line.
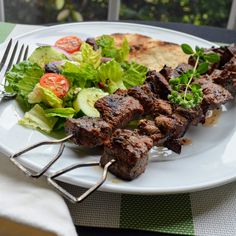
[198,12]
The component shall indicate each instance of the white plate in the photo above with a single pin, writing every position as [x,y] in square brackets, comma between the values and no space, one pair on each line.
[209,161]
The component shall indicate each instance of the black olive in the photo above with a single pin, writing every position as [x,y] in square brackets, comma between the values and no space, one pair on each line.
[51,68]
[92,42]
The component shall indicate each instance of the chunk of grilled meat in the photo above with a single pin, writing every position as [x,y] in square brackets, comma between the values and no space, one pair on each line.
[149,128]
[174,145]
[169,72]
[158,84]
[118,110]
[231,65]
[144,95]
[225,53]
[226,79]
[213,94]
[193,115]
[227,76]
[151,104]
[165,130]
[173,126]
[130,150]
[88,131]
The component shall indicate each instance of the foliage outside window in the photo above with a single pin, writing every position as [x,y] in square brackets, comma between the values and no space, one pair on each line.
[198,12]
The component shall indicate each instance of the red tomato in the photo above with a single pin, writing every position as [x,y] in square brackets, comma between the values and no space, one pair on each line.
[58,84]
[69,43]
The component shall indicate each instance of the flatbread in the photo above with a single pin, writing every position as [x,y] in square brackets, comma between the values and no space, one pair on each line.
[151,52]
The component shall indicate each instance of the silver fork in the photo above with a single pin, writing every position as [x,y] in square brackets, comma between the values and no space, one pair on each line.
[13,59]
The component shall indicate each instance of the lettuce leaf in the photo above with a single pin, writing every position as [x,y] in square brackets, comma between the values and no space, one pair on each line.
[60,112]
[87,55]
[37,119]
[41,94]
[123,51]
[23,77]
[134,74]
[111,73]
[107,43]
[81,76]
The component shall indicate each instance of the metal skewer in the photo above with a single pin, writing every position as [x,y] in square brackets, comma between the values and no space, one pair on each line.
[51,178]
[69,196]
[31,147]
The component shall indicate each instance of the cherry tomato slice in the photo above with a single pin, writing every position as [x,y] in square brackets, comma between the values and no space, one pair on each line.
[69,43]
[58,84]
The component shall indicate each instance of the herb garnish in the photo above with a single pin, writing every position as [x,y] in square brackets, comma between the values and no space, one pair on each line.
[184,92]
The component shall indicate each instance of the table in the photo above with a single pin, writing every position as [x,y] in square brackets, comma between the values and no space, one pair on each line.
[206,32]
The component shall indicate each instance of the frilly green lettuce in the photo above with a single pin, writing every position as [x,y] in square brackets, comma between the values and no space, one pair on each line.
[67,112]
[87,55]
[111,74]
[41,94]
[22,78]
[134,75]
[107,43]
[36,118]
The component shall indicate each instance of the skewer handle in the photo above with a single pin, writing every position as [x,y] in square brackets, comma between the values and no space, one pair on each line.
[48,165]
[69,196]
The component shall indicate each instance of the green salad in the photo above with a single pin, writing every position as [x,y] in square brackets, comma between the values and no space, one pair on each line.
[65,80]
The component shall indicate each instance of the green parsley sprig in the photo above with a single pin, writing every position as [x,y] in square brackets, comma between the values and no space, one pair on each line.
[184,92]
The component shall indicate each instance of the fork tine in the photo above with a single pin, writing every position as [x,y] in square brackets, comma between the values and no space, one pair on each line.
[20,54]
[26,53]
[4,58]
[12,57]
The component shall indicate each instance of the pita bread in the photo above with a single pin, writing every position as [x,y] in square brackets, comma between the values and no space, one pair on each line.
[151,52]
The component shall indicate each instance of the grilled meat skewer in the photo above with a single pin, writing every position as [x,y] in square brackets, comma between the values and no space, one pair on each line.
[169,124]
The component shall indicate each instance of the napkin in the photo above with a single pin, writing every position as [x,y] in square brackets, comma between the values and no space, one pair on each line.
[31,202]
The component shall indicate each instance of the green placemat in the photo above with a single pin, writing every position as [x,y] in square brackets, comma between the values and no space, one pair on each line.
[5,30]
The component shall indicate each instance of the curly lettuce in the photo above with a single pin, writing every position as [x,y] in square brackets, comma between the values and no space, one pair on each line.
[111,74]
[23,77]
[87,55]
[41,94]
[107,44]
[36,119]
[134,75]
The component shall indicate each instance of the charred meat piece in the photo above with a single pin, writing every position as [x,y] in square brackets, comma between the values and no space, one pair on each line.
[152,105]
[174,145]
[144,95]
[183,68]
[225,78]
[88,131]
[158,84]
[169,72]
[194,115]
[149,128]
[231,65]
[226,53]
[213,94]
[160,107]
[118,110]
[130,150]
[173,126]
